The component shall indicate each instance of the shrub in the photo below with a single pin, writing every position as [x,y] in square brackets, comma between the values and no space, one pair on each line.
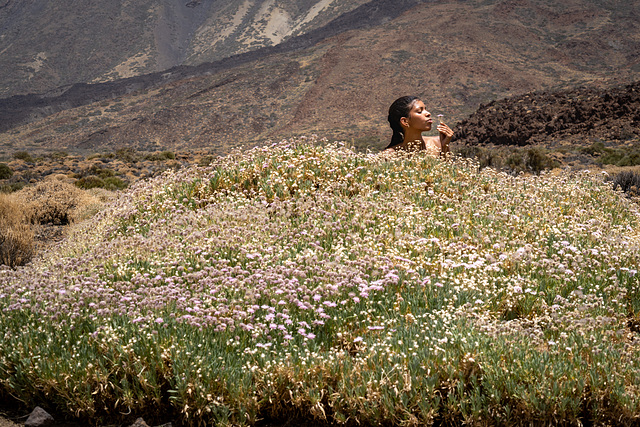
[97,197]
[537,160]
[114,183]
[486,157]
[620,157]
[529,159]
[5,171]
[627,181]
[90,181]
[515,161]
[23,155]
[127,155]
[101,156]
[369,142]
[205,160]
[98,171]
[54,202]
[595,149]
[16,235]
[108,182]
[12,187]
[58,155]
[165,155]
[337,288]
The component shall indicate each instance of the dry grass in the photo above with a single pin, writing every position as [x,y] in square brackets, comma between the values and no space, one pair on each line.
[25,216]
[57,202]
[16,233]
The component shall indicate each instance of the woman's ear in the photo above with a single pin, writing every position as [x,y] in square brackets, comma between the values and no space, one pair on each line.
[404,122]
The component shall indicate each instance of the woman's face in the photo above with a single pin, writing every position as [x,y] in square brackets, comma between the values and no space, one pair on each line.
[419,118]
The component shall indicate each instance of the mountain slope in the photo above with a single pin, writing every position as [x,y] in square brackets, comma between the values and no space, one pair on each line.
[455,55]
[23,108]
[48,44]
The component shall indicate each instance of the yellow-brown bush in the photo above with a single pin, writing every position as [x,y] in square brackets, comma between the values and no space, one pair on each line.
[55,202]
[16,234]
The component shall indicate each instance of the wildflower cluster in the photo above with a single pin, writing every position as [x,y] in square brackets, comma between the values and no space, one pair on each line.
[304,279]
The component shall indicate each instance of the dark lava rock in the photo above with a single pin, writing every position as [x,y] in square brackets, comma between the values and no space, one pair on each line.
[547,117]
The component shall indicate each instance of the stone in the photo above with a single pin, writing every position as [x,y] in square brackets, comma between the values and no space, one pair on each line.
[140,422]
[39,418]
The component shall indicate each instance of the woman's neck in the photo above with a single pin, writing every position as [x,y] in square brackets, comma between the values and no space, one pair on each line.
[412,135]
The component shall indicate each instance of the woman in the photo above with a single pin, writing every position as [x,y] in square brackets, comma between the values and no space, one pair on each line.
[408,118]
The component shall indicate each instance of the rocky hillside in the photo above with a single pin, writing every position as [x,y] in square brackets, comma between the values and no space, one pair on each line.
[19,109]
[44,45]
[553,118]
[339,79]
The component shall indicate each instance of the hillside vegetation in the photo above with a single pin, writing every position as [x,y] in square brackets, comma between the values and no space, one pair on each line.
[308,282]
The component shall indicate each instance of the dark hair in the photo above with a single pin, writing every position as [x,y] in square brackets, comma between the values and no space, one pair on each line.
[399,109]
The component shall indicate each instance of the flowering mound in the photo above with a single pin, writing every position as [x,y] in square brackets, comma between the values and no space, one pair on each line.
[309,282]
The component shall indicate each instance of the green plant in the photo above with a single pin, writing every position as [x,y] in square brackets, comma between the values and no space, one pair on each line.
[89,181]
[367,143]
[595,149]
[23,155]
[114,183]
[160,156]
[620,157]
[486,157]
[59,155]
[5,171]
[12,186]
[205,160]
[106,181]
[98,170]
[101,156]
[127,155]
[307,281]
[516,161]
[538,160]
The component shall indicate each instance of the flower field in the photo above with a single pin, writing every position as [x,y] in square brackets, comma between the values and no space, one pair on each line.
[304,281]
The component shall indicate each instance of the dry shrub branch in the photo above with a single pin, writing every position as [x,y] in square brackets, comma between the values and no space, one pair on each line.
[16,234]
[49,202]
[56,202]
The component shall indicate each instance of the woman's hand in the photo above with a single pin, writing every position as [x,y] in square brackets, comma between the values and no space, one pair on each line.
[445,137]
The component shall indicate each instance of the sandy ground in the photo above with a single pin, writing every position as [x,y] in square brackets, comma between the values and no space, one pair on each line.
[7,423]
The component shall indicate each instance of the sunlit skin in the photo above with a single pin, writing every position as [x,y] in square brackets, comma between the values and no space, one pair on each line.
[418,121]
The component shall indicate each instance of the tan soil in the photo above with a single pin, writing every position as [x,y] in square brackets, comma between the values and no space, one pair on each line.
[7,423]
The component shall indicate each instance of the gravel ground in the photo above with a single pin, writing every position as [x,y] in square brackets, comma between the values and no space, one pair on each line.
[7,423]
